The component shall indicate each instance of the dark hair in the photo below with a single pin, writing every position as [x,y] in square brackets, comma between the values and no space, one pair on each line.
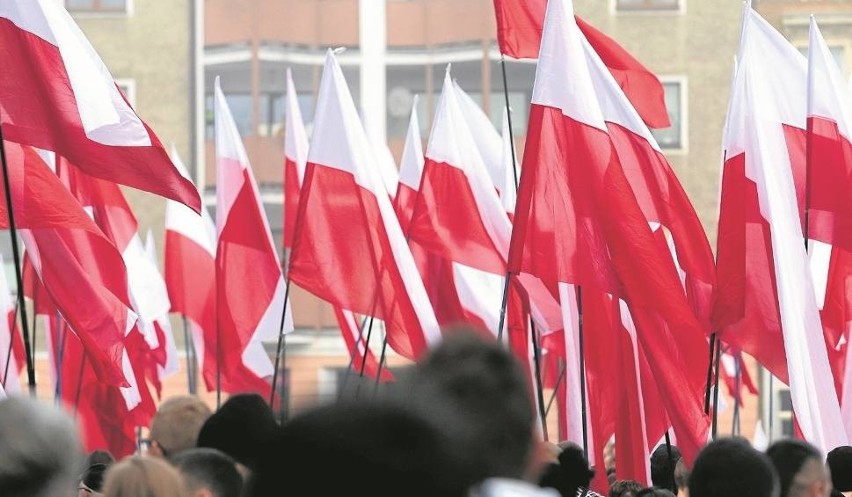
[789,456]
[210,469]
[840,464]
[477,391]
[333,449]
[570,474]
[93,476]
[730,466]
[625,488]
[655,492]
[663,467]
[100,457]
[240,428]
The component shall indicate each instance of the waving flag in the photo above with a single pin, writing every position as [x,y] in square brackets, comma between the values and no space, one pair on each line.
[249,285]
[578,219]
[295,158]
[519,28]
[58,95]
[760,231]
[349,248]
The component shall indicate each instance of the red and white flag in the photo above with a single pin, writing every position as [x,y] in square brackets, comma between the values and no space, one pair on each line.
[760,233]
[578,219]
[79,267]
[349,248]
[190,275]
[249,286]
[58,95]
[295,159]
[519,29]
[410,171]
[166,351]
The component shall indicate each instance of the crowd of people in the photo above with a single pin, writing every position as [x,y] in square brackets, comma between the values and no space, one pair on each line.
[459,423]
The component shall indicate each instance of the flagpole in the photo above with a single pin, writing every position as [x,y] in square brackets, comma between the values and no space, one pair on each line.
[9,351]
[363,358]
[381,362]
[555,388]
[716,390]
[670,458]
[505,301]
[581,353]
[190,363]
[31,379]
[62,332]
[352,357]
[280,354]
[735,421]
[540,390]
[709,374]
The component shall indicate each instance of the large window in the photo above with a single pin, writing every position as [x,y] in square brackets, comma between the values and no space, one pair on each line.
[108,6]
[639,5]
[674,137]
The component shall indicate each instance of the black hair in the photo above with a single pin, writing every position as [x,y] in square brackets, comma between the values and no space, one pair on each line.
[663,467]
[840,464]
[210,469]
[789,456]
[730,466]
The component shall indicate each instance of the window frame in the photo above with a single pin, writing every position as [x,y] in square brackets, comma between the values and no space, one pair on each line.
[683,82]
[647,8]
[98,11]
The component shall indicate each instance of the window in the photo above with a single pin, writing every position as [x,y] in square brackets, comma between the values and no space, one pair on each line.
[640,5]
[240,105]
[98,6]
[673,137]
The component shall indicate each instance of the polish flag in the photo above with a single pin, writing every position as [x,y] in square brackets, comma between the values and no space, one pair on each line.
[488,141]
[519,30]
[760,233]
[250,289]
[166,352]
[190,275]
[58,95]
[458,213]
[829,159]
[78,266]
[349,248]
[579,221]
[509,189]
[733,366]
[356,342]
[410,171]
[295,158]
[12,354]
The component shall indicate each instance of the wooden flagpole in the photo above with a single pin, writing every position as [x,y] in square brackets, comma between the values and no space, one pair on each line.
[31,379]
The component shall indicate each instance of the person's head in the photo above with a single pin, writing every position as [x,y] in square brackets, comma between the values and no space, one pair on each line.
[625,488]
[140,476]
[655,492]
[478,392]
[575,466]
[663,467]
[240,428]
[208,473]
[330,449]
[40,454]
[840,463]
[99,457]
[730,466]
[800,469]
[92,480]
[176,425]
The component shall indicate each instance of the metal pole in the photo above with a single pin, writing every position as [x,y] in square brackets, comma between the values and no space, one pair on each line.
[709,374]
[582,370]
[280,351]
[716,390]
[540,390]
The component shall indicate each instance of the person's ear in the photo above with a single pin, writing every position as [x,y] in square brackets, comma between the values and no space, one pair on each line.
[203,492]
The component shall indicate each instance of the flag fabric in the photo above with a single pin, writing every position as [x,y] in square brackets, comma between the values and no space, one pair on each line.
[166,352]
[58,95]
[190,276]
[295,158]
[829,150]
[736,376]
[458,213]
[519,29]
[79,267]
[760,225]
[250,290]
[578,219]
[410,171]
[349,248]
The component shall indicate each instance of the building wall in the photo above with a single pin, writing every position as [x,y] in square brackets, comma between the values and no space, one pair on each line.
[150,46]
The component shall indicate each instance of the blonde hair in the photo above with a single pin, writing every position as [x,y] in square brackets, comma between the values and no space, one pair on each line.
[140,476]
[177,422]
